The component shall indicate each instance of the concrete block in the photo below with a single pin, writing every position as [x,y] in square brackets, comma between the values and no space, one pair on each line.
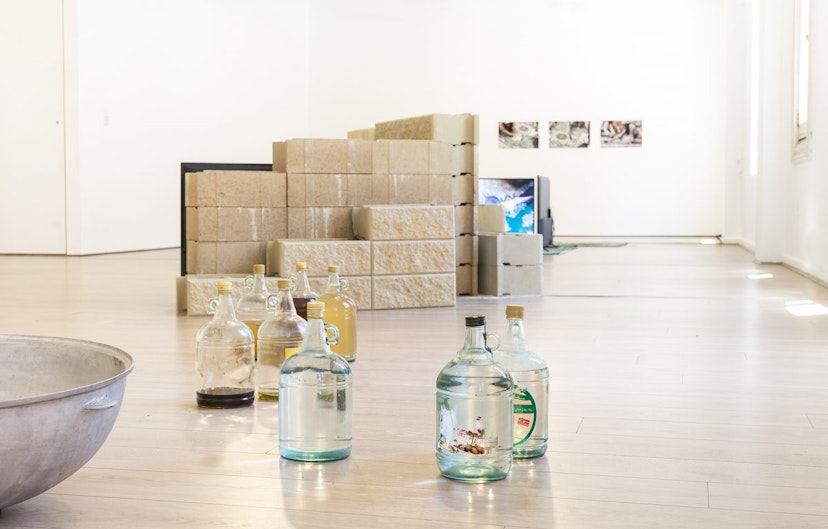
[202,224]
[440,189]
[464,159]
[407,156]
[297,190]
[361,134]
[360,158]
[465,219]
[515,280]
[297,223]
[466,248]
[380,189]
[200,189]
[273,189]
[412,291]
[202,257]
[181,294]
[412,257]
[326,155]
[361,189]
[491,218]
[403,222]
[352,257]
[452,129]
[466,280]
[321,190]
[510,249]
[359,289]
[239,224]
[238,189]
[463,189]
[320,223]
[439,157]
[274,224]
[408,189]
[239,257]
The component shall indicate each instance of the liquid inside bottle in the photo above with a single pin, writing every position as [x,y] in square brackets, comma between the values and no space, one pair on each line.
[315,398]
[531,392]
[474,411]
[302,293]
[224,357]
[340,311]
[280,336]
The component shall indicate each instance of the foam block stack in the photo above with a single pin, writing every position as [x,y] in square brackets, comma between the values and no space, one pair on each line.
[230,216]
[511,264]
[460,132]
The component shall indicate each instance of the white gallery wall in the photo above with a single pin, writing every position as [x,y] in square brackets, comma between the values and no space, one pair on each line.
[151,84]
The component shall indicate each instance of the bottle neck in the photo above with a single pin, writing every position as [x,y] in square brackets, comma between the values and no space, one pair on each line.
[259,284]
[303,289]
[475,343]
[514,339]
[285,304]
[333,286]
[316,337]
[225,309]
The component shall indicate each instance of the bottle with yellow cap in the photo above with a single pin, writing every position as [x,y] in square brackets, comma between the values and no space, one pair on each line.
[302,293]
[280,336]
[315,397]
[252,307]
[224,356]
[341,311]
[531,391]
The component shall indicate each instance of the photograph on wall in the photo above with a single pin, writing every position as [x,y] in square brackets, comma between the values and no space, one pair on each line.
[518,135]
[568,134]
[621,134]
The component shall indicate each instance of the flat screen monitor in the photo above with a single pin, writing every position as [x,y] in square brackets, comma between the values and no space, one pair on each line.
[519,197]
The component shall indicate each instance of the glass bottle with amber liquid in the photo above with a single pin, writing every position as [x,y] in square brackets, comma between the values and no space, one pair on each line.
[302,293]
[340,311]
[315,397]
[280,336]
[474,412]
[224,356]
[531,392]
[252,307]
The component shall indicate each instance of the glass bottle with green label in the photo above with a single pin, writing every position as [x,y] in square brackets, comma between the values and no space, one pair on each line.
[531,391]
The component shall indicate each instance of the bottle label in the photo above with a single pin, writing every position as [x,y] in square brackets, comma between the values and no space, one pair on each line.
[525,414]
[463,438]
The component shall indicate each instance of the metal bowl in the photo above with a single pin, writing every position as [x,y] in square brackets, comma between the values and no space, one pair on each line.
[59,399]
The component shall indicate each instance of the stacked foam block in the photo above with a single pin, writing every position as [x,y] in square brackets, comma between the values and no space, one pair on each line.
[460,132]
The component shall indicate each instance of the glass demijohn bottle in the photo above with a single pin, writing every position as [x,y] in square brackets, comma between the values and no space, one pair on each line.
[224,356]
[252,307]
[280,336]
[302,293]
[474,412]
[531,392]
[341,311]
[315,397]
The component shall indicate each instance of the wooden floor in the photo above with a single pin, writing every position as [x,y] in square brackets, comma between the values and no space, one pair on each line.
[684,394]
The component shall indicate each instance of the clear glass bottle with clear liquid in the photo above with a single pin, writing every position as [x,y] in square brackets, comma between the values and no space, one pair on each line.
[224,356]
[252,307]
[302,293]
[531,393]
[474,412]
[315,397]
[340,311]
[280,336]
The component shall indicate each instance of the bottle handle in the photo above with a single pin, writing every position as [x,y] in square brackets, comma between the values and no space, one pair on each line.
[272,301]
[292,279]
[344,283]
[212,305]
[248,283]
[493,338]
[331,334]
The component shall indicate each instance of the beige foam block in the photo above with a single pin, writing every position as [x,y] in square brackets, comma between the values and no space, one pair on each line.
[239,257]
[439,157]
[361,189]
[297,223]
[279,158]
[289,156]
[465,219]
[361,134]
[412,291]
[464,159]
[202,257]
[511,249]
[448,128]
[440,191]
[319,190]
[466,280]
[238,188]
[466,248]
[273,189]
[239,224]
[359,289]
[403,222]
[297,190]
[412,257]
[202,224]
[320,223]
[200,189]
[463,189]
[380,189]
[181,294]
[491,218]
[360,156]
[408,156]
[352,257]
[408,189]
[326,155]
[274,224]
[515,280]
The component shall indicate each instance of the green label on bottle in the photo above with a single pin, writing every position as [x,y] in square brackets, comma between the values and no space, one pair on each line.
[525,415]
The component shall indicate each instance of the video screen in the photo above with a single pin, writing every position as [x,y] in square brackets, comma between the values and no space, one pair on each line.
[518,198]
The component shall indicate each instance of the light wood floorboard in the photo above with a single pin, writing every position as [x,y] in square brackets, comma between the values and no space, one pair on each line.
[684,394]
